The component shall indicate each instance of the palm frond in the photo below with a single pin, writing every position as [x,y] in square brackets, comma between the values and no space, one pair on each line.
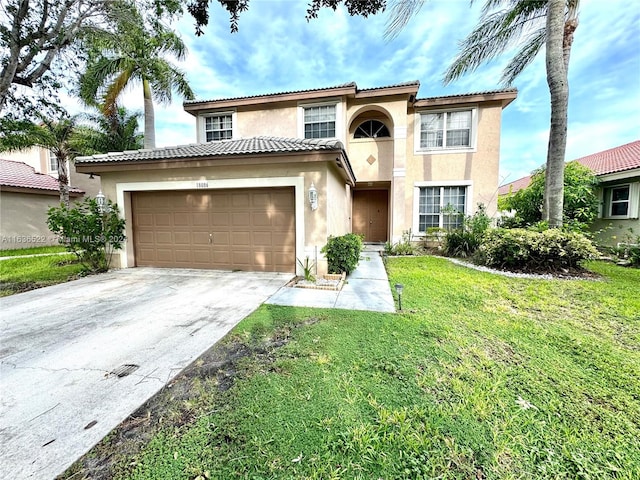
[524,57]
[496,33]
[401,13]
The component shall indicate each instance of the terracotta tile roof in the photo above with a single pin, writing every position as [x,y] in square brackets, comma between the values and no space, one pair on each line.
[514,186]
[241,146]
[614,160]
[21,175]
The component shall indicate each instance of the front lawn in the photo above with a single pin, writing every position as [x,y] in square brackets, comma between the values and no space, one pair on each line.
[22,274]
[482,376]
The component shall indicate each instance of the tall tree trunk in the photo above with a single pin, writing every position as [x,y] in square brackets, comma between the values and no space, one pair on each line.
[63,179]
[559,89]
[149,117]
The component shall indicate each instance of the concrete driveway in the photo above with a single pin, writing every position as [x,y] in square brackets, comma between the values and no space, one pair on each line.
[62,347]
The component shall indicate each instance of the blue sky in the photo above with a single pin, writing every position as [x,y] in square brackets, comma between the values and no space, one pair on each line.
[277,50]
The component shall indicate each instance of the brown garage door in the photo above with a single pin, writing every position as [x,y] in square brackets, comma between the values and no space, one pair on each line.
[249,229]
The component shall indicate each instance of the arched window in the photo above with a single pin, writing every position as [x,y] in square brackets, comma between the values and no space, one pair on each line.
[371,129]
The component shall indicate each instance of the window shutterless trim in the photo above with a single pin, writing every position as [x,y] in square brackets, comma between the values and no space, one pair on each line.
[417,132]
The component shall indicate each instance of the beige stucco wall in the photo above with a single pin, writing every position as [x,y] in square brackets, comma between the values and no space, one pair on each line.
[91,186]
[479,166]
[277,122]
[331,218]
[23,220]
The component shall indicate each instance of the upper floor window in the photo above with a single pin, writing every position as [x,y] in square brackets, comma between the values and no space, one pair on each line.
[371,129]
[452,130]
[218,127]
[320,121]
[53,162]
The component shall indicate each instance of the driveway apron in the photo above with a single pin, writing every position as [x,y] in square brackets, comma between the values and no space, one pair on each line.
[77,358]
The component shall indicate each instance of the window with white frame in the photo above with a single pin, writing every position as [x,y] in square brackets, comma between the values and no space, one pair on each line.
[53,162]
[218,127]
[617,201]
[320,121]
[442,207]
[446,130]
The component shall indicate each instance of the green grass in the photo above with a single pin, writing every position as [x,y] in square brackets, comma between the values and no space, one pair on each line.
[32,251]
[482,376]
[22,274]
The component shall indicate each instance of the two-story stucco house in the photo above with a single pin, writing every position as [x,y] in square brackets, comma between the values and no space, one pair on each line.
[272,176]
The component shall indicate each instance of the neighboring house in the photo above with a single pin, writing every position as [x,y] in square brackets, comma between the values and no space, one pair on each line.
[272,176]
[44,161]
[618,170]
[25,197]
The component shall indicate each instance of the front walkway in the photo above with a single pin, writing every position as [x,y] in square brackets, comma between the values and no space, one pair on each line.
[367,288]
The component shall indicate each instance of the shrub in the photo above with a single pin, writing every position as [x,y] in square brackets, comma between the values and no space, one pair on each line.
[580,205]
[463,242]
[90,234]
[343,253]
[550,250]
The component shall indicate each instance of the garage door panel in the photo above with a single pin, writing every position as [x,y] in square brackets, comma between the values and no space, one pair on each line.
[240,200]
[162,220]
[182,238]
[220,219]
[221,239]
[262,239]
[164,238]
[200,219]
[261,219]
[241,238]
[241,219]
[251,229]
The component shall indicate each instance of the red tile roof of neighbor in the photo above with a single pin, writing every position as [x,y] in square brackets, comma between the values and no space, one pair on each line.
[614,160]
[21,175]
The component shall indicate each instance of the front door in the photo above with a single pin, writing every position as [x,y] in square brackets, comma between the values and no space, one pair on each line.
[371,214]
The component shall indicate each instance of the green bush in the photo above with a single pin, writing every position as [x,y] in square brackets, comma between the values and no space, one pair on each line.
[90,234]
[343,253]
[580,207]
[463,242]
[547,251]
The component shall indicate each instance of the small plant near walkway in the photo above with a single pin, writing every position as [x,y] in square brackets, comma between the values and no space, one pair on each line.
[343,253]
[403,247]
[481,377]
[308,267]
[92,232]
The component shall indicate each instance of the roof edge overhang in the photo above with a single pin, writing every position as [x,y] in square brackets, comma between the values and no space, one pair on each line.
[339,156]
[619,175]
[38,191]
[505,97]
[405,89]
[197,106]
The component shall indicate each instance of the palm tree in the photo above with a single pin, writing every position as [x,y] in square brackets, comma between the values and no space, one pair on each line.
[62,138]
[529,25]
[113,133]
[134,53]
